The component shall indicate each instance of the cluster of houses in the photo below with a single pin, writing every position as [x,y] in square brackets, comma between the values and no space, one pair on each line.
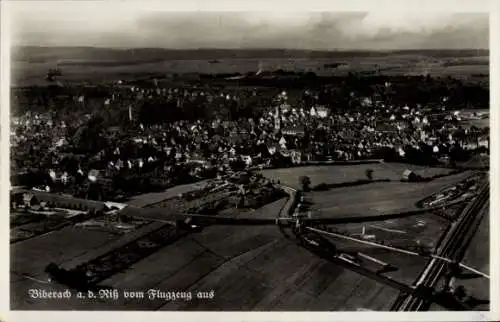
[295,133]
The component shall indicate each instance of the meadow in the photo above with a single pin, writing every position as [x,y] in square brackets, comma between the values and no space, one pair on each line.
[374,198]
[335,174]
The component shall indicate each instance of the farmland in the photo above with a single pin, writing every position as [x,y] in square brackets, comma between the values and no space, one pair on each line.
[348,173]
[377,198]
[374,198]
[97,65]
[249,268]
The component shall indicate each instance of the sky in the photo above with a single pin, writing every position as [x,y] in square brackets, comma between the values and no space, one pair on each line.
[127,25]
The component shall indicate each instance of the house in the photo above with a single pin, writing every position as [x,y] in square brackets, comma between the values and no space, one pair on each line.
[30,200]
[470,145]
[61,142]
[247,159]
[296,156]
[93,175]
[484,142]
[282,143]
[273,148]
[385,128]
[294,130]
[321,111]
[285,108]
[64,178]
[366,101]
[409,176]
[285,153]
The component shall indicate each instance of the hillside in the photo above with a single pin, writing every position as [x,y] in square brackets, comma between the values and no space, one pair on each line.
[42,54]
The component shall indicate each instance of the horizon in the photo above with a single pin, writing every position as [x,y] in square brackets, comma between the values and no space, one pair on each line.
[107,25]
[253,49]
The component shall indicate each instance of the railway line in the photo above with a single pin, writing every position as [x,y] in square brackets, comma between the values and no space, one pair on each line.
[453,246]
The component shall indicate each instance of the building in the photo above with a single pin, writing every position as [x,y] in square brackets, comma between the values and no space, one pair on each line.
[285,108]
[277,119]
[273,148]
[30,200]
[247,159]
[322,112]
[409,176]
[294,130]
[296,156]
[385,128]
[319,111]
[473,140]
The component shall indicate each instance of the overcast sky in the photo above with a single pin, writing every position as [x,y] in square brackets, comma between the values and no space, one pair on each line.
[103,24]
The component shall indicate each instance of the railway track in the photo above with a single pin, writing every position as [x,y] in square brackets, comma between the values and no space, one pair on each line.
[453,246]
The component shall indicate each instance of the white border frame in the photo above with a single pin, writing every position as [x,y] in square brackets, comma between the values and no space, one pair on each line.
[491,6]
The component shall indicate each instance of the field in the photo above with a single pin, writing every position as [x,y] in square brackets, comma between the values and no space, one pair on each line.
[477,123]
[403,232]
[248,268]
[348,173]
[92,65]
[31,256]
[367,199]
[377,198]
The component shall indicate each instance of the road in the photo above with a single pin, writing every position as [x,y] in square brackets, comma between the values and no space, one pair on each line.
[285,211]
[453,246]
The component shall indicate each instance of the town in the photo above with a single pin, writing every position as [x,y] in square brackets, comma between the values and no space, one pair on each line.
[128,139]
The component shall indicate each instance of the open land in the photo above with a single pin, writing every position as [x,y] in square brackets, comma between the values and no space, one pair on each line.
[99,64]
[248,268]
[377,198]
[267,271]
[333,174]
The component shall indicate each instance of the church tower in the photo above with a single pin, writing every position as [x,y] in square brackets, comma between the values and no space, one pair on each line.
[277,119]
[281,100]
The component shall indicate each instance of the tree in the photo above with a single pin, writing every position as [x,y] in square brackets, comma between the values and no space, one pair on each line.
[237,165]
[369,174]
[305,182]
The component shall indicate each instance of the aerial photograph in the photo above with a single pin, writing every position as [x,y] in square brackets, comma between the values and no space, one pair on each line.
[248,160]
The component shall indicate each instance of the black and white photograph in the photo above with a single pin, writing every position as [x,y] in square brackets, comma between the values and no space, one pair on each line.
[271,159]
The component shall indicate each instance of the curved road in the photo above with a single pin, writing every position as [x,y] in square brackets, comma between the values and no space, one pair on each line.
[286,209]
